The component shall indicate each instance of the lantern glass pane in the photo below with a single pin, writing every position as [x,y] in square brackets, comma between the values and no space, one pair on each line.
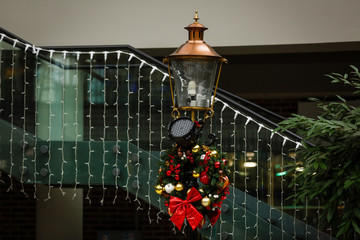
[194,80]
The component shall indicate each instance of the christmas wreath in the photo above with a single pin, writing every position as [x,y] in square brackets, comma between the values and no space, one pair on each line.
[194,182]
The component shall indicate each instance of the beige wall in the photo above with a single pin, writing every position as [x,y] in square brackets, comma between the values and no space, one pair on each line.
[159,23]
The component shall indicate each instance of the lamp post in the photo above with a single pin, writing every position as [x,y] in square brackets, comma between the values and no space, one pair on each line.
[196,70]
[195,66]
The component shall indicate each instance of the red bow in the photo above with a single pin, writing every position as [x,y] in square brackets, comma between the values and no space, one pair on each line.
[184,208]
[214,215]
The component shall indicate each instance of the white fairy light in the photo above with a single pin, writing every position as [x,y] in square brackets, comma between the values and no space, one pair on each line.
[234,175]
[270,184]
[139,101]
[162,137]
[51,53]
[105,126]
[293,156]
[116,104]
[11,78]
[15,42]
[282,188]
[257,181]
[128,129]
[150,142]
[221,149]
[306,217]
[63,162]
[90,127]
[77,135]
[37,89]
[24,143]
[245,178]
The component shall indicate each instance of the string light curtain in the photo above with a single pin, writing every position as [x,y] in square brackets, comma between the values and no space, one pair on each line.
[126,101]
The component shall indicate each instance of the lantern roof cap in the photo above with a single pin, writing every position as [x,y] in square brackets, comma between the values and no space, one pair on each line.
[196,46]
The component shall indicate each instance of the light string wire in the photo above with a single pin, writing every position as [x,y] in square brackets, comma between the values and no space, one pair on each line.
[139,101]
[282,188]
[25,108]
[245,179]
[129,117]
[37,89]
[305,219]
[77,135]
[105,126]
[150,141]
[234,175]
[50,126]
[293,156]
[90,126]
[116,104]
[11,78]
[211,130]
[258,140]
[62,148]
[162,126]
[221,149]
[270,184]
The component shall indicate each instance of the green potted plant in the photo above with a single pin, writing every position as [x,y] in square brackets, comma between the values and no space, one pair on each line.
[332,164]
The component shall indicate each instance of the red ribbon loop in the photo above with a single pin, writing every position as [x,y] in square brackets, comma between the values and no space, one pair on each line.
[184,208]
[213,216]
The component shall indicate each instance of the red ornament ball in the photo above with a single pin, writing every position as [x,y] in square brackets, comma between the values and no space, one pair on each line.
[224,161]
[177,177]
[220,171]
[168,173]
[217,164]
[204,179]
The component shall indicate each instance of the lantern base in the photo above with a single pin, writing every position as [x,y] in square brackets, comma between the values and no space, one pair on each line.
[209,112]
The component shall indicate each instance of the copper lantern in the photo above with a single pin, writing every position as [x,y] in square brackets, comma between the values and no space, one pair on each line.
[195,67]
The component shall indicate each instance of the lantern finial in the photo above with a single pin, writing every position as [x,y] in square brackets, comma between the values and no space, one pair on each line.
[196,18]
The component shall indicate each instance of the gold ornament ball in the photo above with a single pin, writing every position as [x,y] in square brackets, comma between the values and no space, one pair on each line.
[179,187]
[201,190]
[214,153]
[188,191]
[196,149]
[158,189]
[195,174]
[205,201]
[167,163]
